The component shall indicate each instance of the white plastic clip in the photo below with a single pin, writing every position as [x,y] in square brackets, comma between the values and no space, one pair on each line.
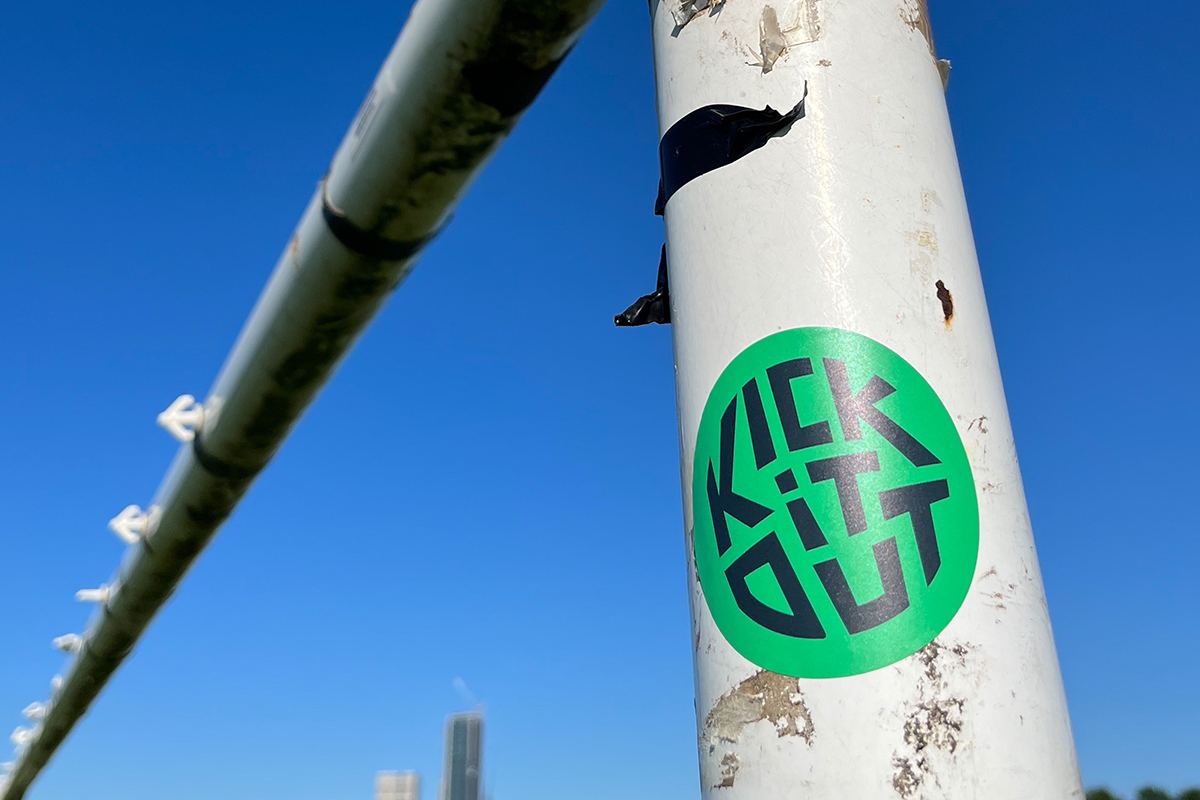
[133,525]
[100,595]
[23,737]
[34,712]
[183,418]
[71,643]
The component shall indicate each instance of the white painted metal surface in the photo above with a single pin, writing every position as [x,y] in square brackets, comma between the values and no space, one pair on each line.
[453,87]
[848,221]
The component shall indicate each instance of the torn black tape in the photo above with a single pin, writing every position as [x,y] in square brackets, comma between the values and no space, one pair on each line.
[654,307]
[713,137]
[365,243]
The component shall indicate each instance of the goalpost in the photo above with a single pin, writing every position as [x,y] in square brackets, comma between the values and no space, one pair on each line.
[868,614]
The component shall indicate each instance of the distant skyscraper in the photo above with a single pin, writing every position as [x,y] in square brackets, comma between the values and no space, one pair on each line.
[464,757]
[398,786]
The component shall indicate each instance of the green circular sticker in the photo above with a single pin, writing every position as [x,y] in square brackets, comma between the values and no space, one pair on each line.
[836,522]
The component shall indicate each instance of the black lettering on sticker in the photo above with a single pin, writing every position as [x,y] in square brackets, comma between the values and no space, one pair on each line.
[851,407]
[858,618]
[917,501]
[798,437]
[844,472]
[786,481]
[722,500]
[760,434]
[806,525]
[802,623]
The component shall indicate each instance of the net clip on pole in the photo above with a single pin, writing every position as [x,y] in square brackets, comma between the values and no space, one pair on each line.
[70,643]
[23,737]
[100,596]
[183,418]
[133,525]
[34,712]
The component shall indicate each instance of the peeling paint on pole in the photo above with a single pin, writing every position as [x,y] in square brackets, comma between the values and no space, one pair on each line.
[853,220]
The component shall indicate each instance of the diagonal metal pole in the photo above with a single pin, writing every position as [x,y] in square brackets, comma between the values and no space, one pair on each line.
[868,613]
[456,82]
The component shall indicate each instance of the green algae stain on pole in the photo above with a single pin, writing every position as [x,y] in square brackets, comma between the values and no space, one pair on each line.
[837,526]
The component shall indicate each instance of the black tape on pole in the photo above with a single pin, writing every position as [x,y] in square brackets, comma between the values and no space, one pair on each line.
[507,85]
[366,243]
[654,307]
[219,468]
[714,136]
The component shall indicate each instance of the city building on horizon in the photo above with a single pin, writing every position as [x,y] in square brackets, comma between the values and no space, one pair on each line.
[398,786]
[464,757]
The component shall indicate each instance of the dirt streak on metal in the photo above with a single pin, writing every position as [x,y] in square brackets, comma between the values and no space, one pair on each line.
[933,728]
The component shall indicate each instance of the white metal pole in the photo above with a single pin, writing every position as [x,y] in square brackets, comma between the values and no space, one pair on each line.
[868,614]
[456,82]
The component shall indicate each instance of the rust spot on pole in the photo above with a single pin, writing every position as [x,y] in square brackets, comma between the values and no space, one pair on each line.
[947,300]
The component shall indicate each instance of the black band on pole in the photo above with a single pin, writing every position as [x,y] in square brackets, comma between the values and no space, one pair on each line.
[220,468]
[507,84]
[365,243]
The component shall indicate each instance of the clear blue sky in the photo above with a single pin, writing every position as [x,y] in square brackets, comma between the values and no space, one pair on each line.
[519,526]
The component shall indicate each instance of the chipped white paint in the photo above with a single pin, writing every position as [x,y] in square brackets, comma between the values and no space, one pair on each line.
[683,11]
[850,220]
[799,25]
